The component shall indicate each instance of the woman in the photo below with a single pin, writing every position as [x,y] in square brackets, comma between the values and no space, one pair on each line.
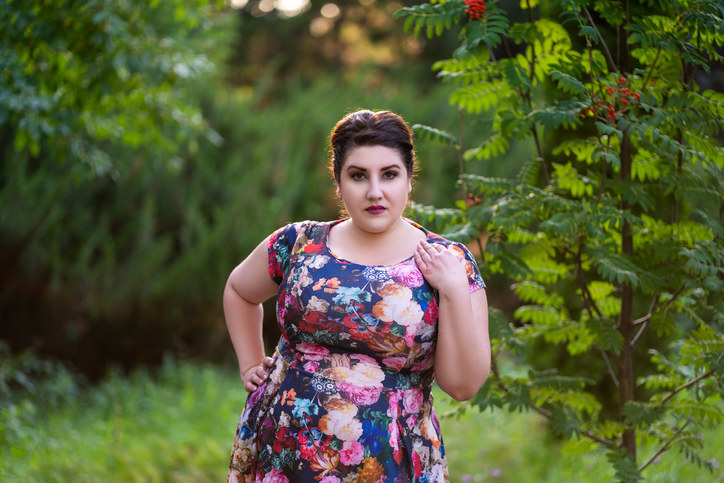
[371,308]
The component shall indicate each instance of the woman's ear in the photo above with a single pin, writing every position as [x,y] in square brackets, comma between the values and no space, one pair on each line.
[338,190]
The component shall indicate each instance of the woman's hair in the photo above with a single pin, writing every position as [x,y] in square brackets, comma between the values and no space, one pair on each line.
[370,128]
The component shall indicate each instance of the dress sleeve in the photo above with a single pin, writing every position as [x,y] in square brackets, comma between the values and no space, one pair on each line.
[280,247]
[475,280]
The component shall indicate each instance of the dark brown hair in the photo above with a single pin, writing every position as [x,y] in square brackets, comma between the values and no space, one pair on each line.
[370,128]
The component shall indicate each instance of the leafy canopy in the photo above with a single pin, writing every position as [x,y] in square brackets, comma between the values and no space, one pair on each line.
[611,234]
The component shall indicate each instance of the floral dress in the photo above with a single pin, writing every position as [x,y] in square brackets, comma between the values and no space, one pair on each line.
[348,398]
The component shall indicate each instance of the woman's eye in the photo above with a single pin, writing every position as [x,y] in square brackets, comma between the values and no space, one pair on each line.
[389,174]
[357,176]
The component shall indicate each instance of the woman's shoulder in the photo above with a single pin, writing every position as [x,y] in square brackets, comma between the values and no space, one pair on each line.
[288,233]
[435,238]
[464,254]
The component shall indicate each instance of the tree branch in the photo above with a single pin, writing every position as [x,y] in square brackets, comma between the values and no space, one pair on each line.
[603,42]
[590,304]
[645,320]
[547,414]
[666,445]
[611,372]
[686,385]
[461,166]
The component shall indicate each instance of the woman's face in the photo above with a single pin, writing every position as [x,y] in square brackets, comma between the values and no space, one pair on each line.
[374,186]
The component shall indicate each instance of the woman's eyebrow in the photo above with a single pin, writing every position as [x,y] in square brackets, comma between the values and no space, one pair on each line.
[392,166]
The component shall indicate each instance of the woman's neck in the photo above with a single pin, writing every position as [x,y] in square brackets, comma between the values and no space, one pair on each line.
[349,241]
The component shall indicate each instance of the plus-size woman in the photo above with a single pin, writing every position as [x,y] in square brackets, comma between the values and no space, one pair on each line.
[372,308]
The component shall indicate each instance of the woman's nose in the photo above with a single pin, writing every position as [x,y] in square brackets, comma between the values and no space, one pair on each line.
[373,191]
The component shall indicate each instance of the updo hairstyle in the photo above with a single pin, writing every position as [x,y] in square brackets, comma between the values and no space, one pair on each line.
[369,128]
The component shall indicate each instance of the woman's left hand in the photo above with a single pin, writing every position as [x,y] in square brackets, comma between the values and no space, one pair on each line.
[441,267]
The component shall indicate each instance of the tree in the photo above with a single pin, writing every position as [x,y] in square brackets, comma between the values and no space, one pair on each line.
[612,232]
[140,163]
[95,118]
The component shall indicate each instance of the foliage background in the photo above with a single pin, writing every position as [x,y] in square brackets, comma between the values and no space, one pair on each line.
[146,147]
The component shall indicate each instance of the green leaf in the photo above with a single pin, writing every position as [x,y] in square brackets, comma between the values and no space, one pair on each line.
[616,267]
[608,129]
[431,134]
[639,414]
[562,225]
[626,469]
[568,83]
[565,422]
[535,293]
[607,337]
[495,145]
[539,315]
[433,19]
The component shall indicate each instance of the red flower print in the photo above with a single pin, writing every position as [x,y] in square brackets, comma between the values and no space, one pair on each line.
[416,464]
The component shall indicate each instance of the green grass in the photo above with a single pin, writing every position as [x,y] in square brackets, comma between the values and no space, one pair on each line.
[516,447]
[178,425]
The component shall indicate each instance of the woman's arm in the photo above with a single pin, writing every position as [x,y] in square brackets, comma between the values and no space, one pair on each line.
[249,285]
[462,355]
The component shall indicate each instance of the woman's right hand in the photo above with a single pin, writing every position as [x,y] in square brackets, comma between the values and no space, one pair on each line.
[256,375]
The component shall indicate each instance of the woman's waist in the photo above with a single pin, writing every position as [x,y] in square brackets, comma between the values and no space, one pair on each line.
[352,369]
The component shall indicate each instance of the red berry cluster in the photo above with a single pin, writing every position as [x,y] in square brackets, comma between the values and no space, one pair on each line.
[620,94]
[476,9]
[473,200]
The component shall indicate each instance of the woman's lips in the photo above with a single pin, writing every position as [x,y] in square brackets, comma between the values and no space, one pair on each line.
[375,210]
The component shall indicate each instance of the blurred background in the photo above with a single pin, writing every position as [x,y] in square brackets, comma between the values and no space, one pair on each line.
[145,148]
[148,147]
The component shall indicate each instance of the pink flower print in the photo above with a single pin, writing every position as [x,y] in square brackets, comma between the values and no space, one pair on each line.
[393,410]
[395,363]
[411,421]
[410,332]
[360,395]
[412,400]
[330,479]
[351,453]
[311,366]
[363,358]
[408,274]
[275,476]
[394,430]
[313,352]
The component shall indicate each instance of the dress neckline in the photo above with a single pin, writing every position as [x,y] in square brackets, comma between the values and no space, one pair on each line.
[325,242]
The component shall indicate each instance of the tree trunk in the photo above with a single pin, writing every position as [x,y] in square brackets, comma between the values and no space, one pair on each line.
[625,325]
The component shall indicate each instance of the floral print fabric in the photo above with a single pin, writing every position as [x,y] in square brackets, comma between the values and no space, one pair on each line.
[348,399]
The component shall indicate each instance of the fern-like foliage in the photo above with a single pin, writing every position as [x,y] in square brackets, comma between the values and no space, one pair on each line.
[433,19]
[431,134]
[610,234]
